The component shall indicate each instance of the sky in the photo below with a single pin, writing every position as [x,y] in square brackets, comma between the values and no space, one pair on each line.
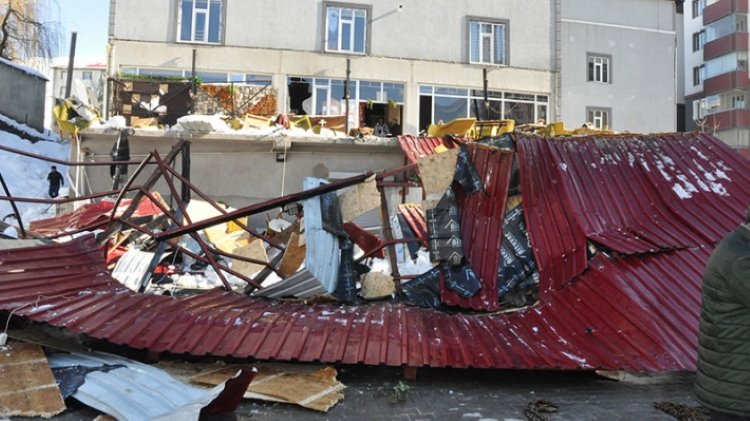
[90,18]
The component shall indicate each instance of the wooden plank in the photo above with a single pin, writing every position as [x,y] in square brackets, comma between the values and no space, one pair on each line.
[28,387]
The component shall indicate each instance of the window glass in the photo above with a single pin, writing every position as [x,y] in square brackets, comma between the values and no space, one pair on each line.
[487,42]
[212,77]
[598,69]
[393,92]
[521,112]
[451,91]
[447,108]
[260,80]
[86,76]
[541,113]
[333,28]
[346,29]
[725,64]
[522,97]
[369,91]
[186,30]
[479,111]
[160,72]
[214,23]
[200,21]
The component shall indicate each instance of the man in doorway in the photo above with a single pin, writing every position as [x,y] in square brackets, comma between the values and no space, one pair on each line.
[723,378]
[55,181]
[381,129]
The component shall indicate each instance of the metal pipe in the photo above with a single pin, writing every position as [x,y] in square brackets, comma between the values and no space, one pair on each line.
[346,95]
[65,199]
[127,185]
[63,162]
[15,208]
[183,210]
[71,61]
[219,208]
[264,206]
[185,155]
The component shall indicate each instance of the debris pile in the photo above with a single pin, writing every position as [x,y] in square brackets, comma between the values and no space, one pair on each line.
[522,254]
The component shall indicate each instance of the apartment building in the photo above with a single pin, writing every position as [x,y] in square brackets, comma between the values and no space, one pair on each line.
[716,69]
[419,61]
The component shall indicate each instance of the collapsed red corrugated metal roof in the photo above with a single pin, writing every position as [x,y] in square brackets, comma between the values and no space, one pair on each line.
[632,313]
[415,147]
[89,214]
[631,194]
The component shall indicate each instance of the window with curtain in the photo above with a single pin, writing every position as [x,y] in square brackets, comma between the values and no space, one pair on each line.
[346,29]
[200,21]
[487,42]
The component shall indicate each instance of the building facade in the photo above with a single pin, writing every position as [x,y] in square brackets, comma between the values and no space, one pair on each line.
[417,62]
[716,69]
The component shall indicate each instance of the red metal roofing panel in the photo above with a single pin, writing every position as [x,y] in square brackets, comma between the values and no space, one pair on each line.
[89,214]
[632,313]
[415,147]
[414,216]
[558,242]
[482,225]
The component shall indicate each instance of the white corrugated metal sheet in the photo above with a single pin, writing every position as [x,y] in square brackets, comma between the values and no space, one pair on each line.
[136,391]
[322,260]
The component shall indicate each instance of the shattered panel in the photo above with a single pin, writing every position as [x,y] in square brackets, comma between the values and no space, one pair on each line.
[309,387]
[28,388]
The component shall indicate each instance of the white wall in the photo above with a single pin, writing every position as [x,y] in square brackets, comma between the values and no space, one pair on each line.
[640,37]
[421,29]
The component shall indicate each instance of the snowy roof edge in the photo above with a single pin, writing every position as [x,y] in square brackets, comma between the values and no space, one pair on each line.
[29,71]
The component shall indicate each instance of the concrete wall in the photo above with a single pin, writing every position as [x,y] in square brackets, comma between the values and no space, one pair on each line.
[242,170]
[22,96]
[640,38]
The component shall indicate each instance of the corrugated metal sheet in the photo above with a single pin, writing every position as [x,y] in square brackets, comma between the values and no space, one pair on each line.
[135,391]
[414,216]
[415,147]
[322,261]
[632,313]
[633,195]
[89,214]
[482,225]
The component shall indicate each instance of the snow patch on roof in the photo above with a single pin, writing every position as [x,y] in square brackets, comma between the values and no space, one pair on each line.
[29,71]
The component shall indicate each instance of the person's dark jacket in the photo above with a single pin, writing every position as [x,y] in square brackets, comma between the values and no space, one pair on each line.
[55,179]
[723,378]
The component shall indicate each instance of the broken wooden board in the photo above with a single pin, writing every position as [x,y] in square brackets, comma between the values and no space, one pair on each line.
[437,172]
[359,199]
[307,386]
[28,387]
[254,250]
[293,257]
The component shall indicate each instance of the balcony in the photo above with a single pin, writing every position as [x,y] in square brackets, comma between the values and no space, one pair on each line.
[737,41]
[723,8]
[738,79]
[728,119]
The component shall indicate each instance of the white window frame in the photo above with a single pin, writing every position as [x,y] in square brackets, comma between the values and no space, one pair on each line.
[698,6]
[200,11]
[352,31]
[599,116]
[602,72]
[494,27]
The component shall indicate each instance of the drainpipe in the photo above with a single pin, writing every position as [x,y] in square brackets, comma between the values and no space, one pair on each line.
[71,61]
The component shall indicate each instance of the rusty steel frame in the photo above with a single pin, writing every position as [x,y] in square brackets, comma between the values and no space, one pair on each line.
[64,162]
[223,211]
[15,208]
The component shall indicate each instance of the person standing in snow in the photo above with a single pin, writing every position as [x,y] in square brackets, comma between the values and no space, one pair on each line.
[55,181]
[723,378]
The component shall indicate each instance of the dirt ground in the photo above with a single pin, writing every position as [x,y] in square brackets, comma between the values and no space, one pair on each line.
[474,395]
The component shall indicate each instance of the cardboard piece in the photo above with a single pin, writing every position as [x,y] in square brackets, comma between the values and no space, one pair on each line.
[293,257]
[307,386]
[377,285]
[254,250]
[28,387]
[437,172]
[359,199]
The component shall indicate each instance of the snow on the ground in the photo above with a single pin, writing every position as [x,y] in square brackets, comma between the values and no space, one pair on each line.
[47,134]
[27,177]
